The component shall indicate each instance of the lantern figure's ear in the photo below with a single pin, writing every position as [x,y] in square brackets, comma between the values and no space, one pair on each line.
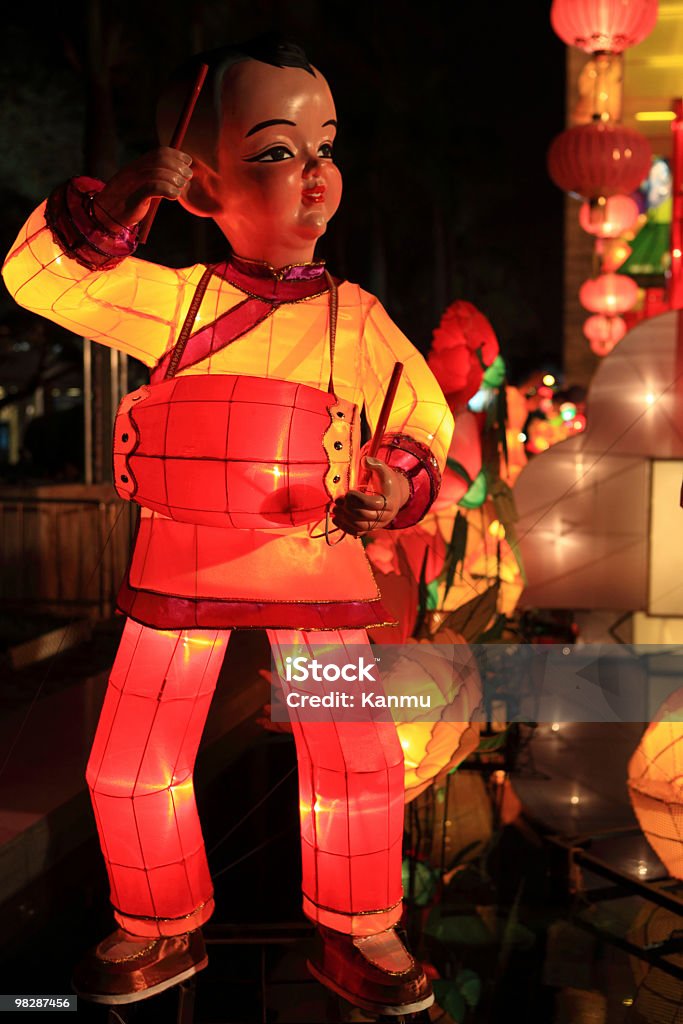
[201,196]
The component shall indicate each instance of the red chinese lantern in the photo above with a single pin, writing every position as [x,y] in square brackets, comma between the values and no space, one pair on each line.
[604,332]
[599,159]
[601,346]
[609,219]
[599,25]
[608,294]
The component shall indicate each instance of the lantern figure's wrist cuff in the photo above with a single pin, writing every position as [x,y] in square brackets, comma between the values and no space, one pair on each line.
[71,217]
[418,465]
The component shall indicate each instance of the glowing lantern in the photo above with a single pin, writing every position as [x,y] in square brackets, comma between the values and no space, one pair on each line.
[604,332]
[464,345]
[613,252]
[600,88]
[286,478]
[659,995]
[610,218]
[599,159]
[432,749]
[655,784]
[608,294]
[601,346]
[140,776]
[463,465]
[599,25]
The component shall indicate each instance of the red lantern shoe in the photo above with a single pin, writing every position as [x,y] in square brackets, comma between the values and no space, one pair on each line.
[603,25]
[609,218]
[599,159]
[608,294]
[374,972]
[124,968]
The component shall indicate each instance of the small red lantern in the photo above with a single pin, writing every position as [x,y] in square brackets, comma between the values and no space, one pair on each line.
[599,159]
[608,294]
[599,25]
[604,332]
[601,346]
[609,219]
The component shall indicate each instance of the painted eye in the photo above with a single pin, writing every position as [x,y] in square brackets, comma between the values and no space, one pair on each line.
[325,151]
[272,155]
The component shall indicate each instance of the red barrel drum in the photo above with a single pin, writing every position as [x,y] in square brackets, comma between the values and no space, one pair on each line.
[234,451]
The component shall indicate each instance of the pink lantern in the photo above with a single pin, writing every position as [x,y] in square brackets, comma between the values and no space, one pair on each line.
[610,219]
[608,294]
[604,332]
[599,159]
[599,25]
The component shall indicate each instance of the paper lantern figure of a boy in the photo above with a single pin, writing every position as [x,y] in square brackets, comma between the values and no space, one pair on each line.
[259,368]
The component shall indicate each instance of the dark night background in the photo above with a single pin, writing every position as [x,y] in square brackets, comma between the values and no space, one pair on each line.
[446,111]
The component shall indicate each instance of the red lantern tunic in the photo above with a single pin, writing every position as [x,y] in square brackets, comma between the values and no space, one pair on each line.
[256,321]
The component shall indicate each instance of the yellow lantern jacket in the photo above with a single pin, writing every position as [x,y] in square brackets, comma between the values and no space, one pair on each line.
[183,575]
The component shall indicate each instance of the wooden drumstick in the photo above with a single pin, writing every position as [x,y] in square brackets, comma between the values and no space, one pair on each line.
[385,412]
[175,143]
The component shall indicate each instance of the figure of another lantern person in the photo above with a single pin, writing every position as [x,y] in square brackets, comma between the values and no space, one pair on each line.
[258,160]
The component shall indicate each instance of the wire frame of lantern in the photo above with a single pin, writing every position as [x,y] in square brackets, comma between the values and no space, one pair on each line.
[655,784]
[609,294]
[599,159]
[603,25]
[658,997]
[609,217]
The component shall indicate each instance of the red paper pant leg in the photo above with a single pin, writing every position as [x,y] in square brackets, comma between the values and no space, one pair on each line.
[140,777]
[351,792]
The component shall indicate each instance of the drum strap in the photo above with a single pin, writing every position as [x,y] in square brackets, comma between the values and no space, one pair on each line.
[333,311]
[186,330]
[188,324]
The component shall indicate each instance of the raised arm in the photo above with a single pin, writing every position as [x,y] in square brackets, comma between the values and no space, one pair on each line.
[72,263]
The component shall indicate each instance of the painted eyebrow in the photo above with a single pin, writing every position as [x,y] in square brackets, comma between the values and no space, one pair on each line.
[267,124]
[280,120]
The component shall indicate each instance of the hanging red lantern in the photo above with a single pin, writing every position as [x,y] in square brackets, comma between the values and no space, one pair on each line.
[610,218]
[599,25]
[599,159]
[601,346]
[608,294]
[604,332]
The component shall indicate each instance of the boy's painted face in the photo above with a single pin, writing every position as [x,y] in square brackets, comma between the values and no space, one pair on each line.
[277,185]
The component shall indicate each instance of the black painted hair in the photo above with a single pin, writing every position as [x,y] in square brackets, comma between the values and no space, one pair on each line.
[203,132]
